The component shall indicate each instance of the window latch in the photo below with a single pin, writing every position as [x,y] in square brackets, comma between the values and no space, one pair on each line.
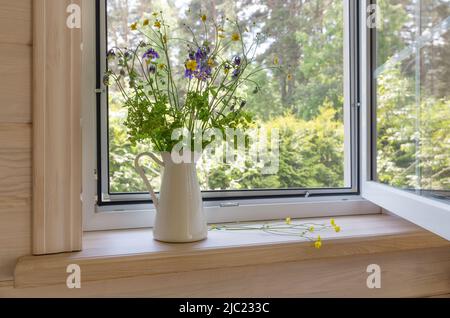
[229,204]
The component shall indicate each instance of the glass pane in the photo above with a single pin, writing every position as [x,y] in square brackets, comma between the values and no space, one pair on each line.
[413,105]
[305,100]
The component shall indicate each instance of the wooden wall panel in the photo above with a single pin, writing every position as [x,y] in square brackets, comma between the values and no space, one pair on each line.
[15,21]
[15,83]
[15,133]
[15,195]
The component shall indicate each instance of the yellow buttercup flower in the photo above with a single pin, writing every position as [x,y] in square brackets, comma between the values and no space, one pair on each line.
[191,65]
[204,17]
[133,26]
[311,229]
[288,221]
[337,229]
[161,66]
[318,244]
[146,22]
[157,24]
[235,37]
[332,222]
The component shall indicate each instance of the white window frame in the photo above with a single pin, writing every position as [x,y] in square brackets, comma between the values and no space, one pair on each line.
[430,214]
[142,215]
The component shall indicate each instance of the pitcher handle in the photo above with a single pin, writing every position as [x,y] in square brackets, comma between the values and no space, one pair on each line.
[141,172]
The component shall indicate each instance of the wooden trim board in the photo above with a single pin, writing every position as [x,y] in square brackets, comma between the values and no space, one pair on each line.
[57,225]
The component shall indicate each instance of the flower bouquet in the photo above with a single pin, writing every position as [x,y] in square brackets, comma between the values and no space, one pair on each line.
[171,94]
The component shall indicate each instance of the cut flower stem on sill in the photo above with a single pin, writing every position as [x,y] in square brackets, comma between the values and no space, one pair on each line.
[300,229]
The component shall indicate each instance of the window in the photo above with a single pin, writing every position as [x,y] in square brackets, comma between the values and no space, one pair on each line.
[311,100]
[412,81]
[405,110]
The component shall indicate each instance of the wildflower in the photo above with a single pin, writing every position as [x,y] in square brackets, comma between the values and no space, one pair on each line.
[211,63]
[191,65]
[151,54]
[290,77]
[188,74]
[152,69]
[288,221]
[235,37]
[157,24]
[337,229]
[203,18]
[333,222]
[226,68]
[133,26]
[318,244]
[202,53]
[161,66]
[146,22]
[111,54]
[237,60]
[311,228]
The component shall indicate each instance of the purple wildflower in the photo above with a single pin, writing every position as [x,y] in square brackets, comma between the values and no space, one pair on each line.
[188,74]
[237,60]
[151,54]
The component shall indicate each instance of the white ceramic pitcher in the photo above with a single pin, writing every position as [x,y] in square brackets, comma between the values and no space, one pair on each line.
[180,217]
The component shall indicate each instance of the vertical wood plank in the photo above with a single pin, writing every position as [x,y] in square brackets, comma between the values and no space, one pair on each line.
[57,223]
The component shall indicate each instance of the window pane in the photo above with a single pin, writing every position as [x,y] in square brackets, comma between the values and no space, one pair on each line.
[305,100]
[413,105]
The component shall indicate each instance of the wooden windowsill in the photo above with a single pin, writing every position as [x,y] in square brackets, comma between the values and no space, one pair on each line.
[133,253]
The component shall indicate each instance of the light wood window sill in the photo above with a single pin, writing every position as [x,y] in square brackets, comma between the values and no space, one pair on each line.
[132,253]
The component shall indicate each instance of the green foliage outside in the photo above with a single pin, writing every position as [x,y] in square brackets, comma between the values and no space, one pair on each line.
[304,98]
